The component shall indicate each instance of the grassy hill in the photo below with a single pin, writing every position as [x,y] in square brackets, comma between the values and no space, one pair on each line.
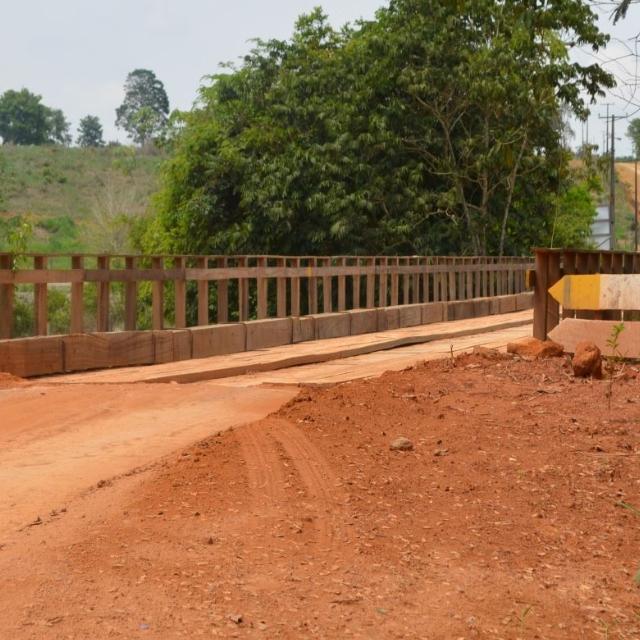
[76,199]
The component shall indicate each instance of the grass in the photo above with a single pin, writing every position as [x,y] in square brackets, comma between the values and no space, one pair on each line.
[63,191]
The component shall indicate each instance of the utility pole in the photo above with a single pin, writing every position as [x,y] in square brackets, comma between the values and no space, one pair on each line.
[635,200]
[612,183]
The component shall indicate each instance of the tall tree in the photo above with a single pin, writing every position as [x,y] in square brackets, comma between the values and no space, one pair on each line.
[90,132]
[633,131]
[144,111]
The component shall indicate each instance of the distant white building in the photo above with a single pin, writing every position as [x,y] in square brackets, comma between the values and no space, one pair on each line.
[601,229]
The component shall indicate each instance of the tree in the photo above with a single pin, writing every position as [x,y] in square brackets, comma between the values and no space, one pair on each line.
[633,131]
[25,120]
[435,128]
[90,132]
[143,113]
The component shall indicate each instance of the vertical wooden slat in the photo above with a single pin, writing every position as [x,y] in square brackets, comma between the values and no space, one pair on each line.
[7,295]
[262,289]
[131,296]
[425,280]
[203,294]
[356,286]
[582,268]
[395,279]
[327,293]
[77,298]
[40,300]
[312,286]
[453,294]
[406,280]
[415,281]
[540,297]
[469,278]
[222,294]
[180,286]
[281,292]
[243,292]
[103,288]
[342,285]
[436,281]
[383,283]
[444,277]
[477,277]
[157,296]
[371,284]
[553,275]
[569,268]
[295,291]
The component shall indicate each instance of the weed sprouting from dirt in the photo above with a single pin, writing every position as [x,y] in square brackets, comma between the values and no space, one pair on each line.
[615,358]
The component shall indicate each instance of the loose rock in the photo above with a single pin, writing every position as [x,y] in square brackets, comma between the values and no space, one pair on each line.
[534,349]
[401,444]
[587,360]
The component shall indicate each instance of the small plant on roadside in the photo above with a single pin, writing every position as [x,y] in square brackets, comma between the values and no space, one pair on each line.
[615,358]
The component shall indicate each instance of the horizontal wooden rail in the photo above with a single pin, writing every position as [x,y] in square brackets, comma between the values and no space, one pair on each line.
[235,288]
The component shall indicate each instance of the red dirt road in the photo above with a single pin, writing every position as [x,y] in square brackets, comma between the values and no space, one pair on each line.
[504,521]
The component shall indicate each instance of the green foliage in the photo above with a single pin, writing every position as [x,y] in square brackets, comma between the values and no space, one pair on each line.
[633,131]
[143,113]
[15,235]
[25,120]
[576,211]
[90,132]
[435,128]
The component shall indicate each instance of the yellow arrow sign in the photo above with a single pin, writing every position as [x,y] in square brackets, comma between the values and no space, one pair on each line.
[598,291]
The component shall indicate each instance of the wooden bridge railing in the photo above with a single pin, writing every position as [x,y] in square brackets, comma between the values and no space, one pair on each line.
[552,264]
[243,287]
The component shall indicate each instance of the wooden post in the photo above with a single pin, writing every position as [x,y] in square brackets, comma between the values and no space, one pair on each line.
[243,293]
[295,290]
[327,294]
[40,299]
[281,291]
[395,279]
[384,277]
[203,294]
[102,314]
[77,298]
[157,297]
[180,285]
[342,285]
[262,286]
[7,295]
[540,296]
[553,275]
[425,281]
[356,286]
[312,287]
[453,294]
[477,277]
[371,284]
[131,296]
[415,281]
[223,294]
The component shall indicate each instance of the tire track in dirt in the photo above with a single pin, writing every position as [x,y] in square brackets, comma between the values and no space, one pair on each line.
[271,445]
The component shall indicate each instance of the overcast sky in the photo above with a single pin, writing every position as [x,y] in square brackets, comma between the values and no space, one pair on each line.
[77,53]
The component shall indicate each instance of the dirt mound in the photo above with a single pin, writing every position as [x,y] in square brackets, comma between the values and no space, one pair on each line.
[7,380]
[513,516]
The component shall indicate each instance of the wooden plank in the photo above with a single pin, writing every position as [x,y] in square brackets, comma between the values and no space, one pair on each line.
[406,283]
[553,275]
[262,286]
[40,300]
[540,297]
[383,286]
[203,295]
[312,287]
[415,282]
[102,301]
[77,299]
[327,293]
[157,297]
[451,277]
[130,297]
[222,295]
[568,267]
[180,295]
[598,291]
[371,285]
[295,292]
[394,282]
[243,293]
[571,331]
[342,286]
[356,279]
[281,292]
[7,296]
[426,289]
